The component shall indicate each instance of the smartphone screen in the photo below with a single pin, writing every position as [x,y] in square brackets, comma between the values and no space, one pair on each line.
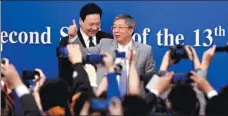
[99,104]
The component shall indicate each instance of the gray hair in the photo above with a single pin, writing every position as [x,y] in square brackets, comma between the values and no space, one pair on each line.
[129,20]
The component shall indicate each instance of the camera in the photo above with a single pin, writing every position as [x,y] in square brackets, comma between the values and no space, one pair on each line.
[94,58]
[181,78]
[99,105]
[29,75]
[120,54]
[61,52]
[178,53]
[118,68]
[222,49]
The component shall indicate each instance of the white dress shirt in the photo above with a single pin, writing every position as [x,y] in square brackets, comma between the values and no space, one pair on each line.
[86,39]
[125,49]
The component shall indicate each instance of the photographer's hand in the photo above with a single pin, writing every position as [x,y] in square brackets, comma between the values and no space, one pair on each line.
[192,54]
[134,81]
[39,80]
[74,53]
[85,109]
[166,61]
[11,76]
[207,57]
[164,83]
[116,107]
[202,84]
[108,61]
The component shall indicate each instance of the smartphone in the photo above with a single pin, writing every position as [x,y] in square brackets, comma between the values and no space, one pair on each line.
[29,75]
[181,78]
[95,58]
[99,105]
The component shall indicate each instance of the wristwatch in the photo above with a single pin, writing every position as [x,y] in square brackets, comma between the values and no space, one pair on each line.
[202,73]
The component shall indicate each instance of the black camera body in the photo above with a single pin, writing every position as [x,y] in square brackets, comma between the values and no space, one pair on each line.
[29,75]
[222,49]
[177,53]
[181,78]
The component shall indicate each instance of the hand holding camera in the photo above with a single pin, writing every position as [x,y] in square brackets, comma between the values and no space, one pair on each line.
[202,83]
[177,53]
[39,79]
[10,74]
[207,57]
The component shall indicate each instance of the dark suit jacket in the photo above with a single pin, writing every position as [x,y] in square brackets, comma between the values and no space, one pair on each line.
[29,105]
[81,81]
[65,67]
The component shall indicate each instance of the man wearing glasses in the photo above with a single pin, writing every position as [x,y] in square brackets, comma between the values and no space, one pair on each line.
[123,29]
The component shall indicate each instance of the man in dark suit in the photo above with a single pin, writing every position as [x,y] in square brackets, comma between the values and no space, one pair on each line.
[89,35]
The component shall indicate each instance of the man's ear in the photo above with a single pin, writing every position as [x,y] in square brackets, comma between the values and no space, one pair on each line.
[131,30]
[80,21]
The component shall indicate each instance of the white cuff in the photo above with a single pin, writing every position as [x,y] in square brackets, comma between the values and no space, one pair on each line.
[73,39]
[202,73]
[211,94]
[93,84]
[152,83]
[21,90]
[155,91]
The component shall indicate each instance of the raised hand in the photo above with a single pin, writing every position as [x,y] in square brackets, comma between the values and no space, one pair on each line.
[72,30]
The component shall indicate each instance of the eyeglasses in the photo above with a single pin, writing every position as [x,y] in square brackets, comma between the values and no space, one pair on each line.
[119,27]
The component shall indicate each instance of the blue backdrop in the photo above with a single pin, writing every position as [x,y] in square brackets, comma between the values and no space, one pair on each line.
[22,19]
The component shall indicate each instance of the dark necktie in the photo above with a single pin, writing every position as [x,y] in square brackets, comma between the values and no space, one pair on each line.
[91,44]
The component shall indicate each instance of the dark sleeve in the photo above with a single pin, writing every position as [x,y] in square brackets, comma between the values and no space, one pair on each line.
[146,77]
[151,99]
[109,35]
[29,105]
[64,41]
[101,35]
[81,82]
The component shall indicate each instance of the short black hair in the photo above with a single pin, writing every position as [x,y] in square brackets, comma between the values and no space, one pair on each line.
[88,9]
[54,92]
[183,100]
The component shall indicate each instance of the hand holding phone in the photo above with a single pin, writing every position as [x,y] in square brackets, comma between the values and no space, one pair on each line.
[99,105]
[29,75]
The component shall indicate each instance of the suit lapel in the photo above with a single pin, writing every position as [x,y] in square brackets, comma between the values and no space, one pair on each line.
[81,38]
[113,48]
[98,37]
[135,47]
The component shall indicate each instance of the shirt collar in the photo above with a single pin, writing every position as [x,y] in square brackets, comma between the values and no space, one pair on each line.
[125,48]
[85,37]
